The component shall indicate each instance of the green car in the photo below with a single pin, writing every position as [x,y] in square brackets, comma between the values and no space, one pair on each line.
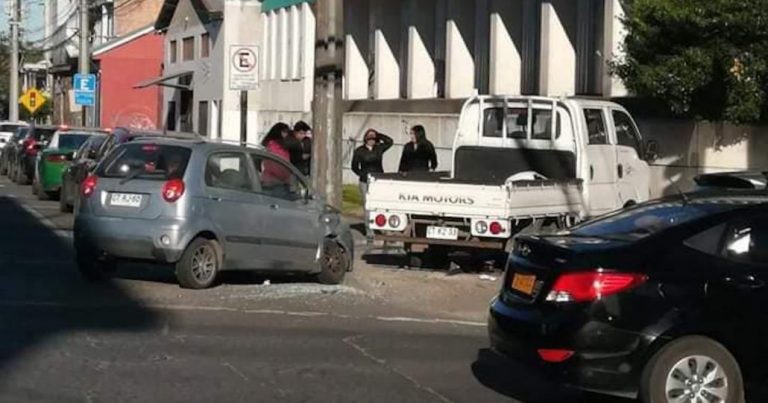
[54,159]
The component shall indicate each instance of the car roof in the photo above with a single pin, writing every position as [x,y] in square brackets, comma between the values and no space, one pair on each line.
[197,142]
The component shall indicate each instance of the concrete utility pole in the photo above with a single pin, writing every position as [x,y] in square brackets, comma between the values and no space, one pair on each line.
[13,93]
[327,106]
[85,54]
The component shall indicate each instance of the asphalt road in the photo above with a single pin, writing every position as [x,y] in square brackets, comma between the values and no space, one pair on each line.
[140,338]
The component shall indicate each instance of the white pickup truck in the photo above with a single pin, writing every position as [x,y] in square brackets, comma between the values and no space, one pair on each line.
[517,167]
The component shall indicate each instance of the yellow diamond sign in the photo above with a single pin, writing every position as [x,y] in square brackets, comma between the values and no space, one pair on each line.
[32,100]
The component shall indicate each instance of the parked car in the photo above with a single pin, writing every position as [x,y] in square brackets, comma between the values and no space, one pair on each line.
[8,129]
[85,160]
[23,153]
[665,300]
[732,180]
[9,148]
[55,157]
[204,208]
[519,163]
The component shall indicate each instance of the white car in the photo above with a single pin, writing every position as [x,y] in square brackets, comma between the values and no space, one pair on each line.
[7,129]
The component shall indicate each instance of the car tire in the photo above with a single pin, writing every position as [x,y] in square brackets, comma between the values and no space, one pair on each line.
[199,264]
[671,372]
[334,263]
[91,267]
[64,206]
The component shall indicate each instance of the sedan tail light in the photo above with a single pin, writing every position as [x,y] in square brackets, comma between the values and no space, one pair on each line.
[550,355]
[56,158]
[30,146]
[89,185]
[173,190]
[592,285]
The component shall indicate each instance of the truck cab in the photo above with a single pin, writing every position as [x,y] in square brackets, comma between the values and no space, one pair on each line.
[518,162]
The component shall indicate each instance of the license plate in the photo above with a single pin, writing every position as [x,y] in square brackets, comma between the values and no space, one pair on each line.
[523,283]
[447,233]
[125,200]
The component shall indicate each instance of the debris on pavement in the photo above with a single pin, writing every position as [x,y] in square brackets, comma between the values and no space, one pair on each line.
[487,277]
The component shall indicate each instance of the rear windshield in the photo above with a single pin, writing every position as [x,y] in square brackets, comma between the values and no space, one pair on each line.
[43,135]
[9,128]
[146,161]
[646,220]
[20,133]
[72,141]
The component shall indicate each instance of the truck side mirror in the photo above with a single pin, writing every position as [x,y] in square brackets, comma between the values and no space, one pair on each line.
[651,150]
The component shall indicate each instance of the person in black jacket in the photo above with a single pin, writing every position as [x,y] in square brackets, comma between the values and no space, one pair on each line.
[418,154]
[301,148]
[367,158]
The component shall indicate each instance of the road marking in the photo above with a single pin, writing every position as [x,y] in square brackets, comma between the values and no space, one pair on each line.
[350,341]
[168,307]
[235,370]
[66,234]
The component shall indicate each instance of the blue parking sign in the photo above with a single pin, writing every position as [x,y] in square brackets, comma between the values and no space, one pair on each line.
[85,89]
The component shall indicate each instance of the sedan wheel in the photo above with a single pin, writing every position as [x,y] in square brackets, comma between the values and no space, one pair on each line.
[692,369]
[333,264]
[199,265]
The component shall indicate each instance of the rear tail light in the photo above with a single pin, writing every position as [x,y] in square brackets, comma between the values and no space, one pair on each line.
[30,146]
[553,355]
[56,158]
[394,221]
[173,190]
[89,185]
[592,285]
[496,228]
[380,220]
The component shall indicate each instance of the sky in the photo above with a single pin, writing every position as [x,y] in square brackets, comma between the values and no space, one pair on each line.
[32,18]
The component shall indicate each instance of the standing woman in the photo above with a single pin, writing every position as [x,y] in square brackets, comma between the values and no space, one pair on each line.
[274,177]
[367,158]
[418,154]
[276,140]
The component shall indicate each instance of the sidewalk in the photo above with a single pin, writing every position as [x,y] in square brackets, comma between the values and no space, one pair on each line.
[432,293]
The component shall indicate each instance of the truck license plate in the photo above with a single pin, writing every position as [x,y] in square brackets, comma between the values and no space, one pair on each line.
[125,200]
[523,283]
[447,233]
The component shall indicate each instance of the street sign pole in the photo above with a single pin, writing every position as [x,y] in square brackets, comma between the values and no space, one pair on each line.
[243,117]
[244,77]
[84,62]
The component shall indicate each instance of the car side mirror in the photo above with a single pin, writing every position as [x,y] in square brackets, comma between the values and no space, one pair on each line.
[651,150]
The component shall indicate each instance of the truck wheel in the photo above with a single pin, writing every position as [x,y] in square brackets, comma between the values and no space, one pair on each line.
[334,264]
[437,256]
[414,261]
[199,264]
[692,368]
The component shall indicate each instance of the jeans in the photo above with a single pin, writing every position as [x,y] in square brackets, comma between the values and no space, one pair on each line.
[366,220]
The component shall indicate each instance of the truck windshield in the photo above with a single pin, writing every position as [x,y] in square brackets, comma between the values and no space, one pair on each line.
[517,123]
[146,161]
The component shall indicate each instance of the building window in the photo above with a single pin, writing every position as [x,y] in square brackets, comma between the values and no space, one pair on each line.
[170,121]
[188,49]
[202,119]
[172,51]
[205,45]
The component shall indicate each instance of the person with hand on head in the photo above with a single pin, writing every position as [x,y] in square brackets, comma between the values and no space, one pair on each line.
[367,158]
[418,154]
[301,148]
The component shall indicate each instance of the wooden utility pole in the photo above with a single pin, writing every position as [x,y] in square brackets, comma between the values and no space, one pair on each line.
[84,61]
[13,95]
[327,103]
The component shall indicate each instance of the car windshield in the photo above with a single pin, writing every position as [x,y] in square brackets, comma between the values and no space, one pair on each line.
[70,141]
[648,219]
[146,161]
[42,135]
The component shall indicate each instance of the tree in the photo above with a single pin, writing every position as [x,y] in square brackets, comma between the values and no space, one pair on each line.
[706,59]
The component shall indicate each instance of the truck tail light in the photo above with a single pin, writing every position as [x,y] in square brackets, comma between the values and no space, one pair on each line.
[394,221]
[496,228]
[481,227]
[89,185]
[380,220]
[173,190]
[592,285]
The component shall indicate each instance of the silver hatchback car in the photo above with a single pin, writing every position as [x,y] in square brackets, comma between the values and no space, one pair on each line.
[206,207]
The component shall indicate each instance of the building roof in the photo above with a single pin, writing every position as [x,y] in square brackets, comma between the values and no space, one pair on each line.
[206,9]
[117,42]
[269,5]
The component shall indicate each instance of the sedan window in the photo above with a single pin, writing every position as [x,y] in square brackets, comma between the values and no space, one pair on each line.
[748,242]
[277,180]
[228,170]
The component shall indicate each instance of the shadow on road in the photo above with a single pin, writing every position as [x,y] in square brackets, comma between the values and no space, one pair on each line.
[519,382]
[43,296]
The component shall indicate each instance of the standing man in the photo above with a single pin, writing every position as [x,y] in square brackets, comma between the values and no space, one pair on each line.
[301,150]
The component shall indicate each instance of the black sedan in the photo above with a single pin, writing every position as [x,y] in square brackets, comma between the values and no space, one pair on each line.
[665,301]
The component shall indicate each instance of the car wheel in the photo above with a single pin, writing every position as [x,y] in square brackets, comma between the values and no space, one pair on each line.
[91,267]
[64,205]
[199,264]
[692,368]
[334,263]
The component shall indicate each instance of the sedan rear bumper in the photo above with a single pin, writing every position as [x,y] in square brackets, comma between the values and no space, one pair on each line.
[605,359]
[161,240]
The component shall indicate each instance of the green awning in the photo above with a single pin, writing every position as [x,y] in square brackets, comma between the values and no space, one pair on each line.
[269,5]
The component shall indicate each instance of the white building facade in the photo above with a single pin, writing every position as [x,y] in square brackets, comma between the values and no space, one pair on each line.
[413,62]
[199,38]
